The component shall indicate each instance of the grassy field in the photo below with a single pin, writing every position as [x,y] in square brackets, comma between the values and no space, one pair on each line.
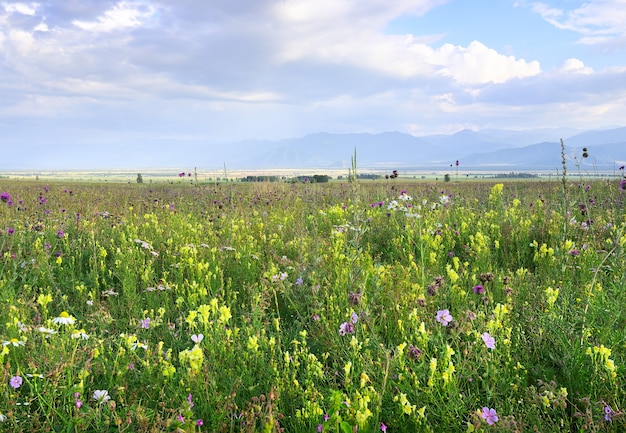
[357,306]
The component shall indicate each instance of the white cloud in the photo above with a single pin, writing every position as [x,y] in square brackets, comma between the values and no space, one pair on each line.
[478,63]
[576,66]
[599,21]
[21,8]
[123,15]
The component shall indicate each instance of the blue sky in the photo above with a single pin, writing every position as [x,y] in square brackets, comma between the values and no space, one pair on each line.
[79,74]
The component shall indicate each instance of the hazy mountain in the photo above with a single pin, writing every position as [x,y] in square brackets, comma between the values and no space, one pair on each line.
[476,150]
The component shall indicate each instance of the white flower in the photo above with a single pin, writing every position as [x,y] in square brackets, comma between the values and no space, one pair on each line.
[101,396]
[64,319]
[197,338]
[3,417]
[46,331]
[79,333]
[14,342]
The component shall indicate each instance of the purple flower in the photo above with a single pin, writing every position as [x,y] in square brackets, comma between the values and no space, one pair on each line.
[199,422]
[443,317]
[383,427]
[299,281]
[354,318]
[5,197]
[574,253]
[346,328]
[15,382]
[478,289]
[145,323]
[10,230]
[489,415]
[190,401]
[490,342]
[320,428]
[60,234]
[608,413]
[622,185]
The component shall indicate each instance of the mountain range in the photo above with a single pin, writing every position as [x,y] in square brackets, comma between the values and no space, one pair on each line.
[484,150]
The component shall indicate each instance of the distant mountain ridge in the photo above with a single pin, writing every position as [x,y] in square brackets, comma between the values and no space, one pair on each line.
[491,149]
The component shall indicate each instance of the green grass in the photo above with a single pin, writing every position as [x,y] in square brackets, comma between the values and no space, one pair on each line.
[299,307]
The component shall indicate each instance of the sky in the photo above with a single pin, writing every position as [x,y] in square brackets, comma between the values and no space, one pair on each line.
[88,73]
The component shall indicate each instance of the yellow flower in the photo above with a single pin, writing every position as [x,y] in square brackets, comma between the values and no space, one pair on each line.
[253,343]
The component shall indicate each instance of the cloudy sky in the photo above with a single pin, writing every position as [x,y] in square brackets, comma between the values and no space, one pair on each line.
[92,72]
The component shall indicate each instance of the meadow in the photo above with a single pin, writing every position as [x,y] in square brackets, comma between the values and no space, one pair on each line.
[393,306]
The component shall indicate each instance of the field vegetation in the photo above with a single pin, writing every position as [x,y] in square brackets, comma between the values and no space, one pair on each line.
[347,306]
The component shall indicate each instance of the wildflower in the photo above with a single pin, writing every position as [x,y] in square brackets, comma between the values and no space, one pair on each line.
[145,323]
[478,289]
[101,396]
[443,317]
[490,342]
[3,417]
[79,402]
[64,319]
[354,318]
[79,333]
[180,418]
[46,331]
[190,401]
[346,328]
[14,342]
[60,234]
[354,297]
[320,428]
[15,382]
[383,427]
[622,185]
[608,413]
[197,338]
[414,352]
[5,197]
[489,415]
[299,281]
[199,422]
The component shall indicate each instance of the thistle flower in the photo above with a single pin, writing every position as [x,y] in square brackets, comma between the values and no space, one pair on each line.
[346,328]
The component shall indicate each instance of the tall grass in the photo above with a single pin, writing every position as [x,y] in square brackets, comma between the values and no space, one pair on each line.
[377,306]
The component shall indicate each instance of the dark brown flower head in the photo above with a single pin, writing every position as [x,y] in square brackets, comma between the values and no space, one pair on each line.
[486,276]
[432,289]
[506,280]
[438,281]
[414,353]
[355,297]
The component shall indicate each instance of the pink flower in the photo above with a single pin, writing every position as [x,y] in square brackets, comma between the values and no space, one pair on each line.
[444,317]
[489,415]
[490,342]
[16,382]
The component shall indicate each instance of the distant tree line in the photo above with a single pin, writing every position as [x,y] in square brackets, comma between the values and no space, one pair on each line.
[316,178]
[513,175]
